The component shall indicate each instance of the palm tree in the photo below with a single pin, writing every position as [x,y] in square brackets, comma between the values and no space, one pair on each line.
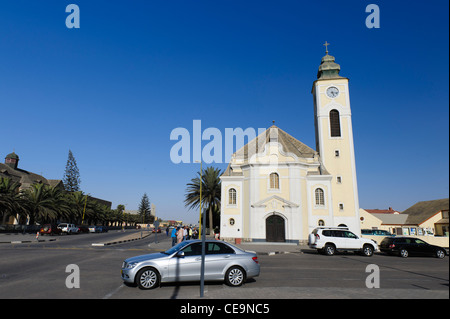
[10,200]
[210,192]
[45,203]
[77,201]
[95,212]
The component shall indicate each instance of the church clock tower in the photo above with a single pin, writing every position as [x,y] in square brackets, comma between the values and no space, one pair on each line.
[334,141]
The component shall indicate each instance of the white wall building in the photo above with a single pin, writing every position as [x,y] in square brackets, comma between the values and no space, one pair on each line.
[277,189]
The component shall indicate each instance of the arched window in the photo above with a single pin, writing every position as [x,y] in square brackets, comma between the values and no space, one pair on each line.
[335,125]
[232,196]
[274,181]
[320,198]
[321,222]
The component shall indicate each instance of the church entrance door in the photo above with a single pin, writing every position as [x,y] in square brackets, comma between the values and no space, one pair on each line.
[275,230]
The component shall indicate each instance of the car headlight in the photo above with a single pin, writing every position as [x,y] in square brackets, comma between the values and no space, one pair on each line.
[128,265]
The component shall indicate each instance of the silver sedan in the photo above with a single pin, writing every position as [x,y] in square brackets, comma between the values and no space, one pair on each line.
[223,262]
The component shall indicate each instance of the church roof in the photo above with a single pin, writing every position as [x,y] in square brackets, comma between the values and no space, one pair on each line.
[288,143]
[328,69]
[12,155]
[25,178]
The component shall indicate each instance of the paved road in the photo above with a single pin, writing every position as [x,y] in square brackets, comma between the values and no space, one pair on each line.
[38,270]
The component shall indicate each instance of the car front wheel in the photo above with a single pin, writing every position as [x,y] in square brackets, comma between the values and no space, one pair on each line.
[403,253]
[235,277]
[147,278]
[367,250]
[329,250]
[440,253]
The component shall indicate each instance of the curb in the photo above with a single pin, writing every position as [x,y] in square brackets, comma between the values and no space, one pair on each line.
[273,253]
[119,241]
[26,241]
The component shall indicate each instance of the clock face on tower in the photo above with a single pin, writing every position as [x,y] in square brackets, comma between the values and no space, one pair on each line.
[332,92]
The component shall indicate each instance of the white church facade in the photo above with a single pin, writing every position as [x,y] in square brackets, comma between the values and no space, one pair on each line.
[277,189]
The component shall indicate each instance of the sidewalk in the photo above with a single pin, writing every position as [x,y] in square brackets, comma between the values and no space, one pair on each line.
[19,238]
[260,248]
[125,238]
[270,249]
[163,244]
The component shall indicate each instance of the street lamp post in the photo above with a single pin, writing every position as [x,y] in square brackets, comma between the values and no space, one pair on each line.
[123,216]
[203,235]
[84,209]
[200,214]
[202,274]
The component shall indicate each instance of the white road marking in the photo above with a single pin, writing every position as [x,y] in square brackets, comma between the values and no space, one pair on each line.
[107,296]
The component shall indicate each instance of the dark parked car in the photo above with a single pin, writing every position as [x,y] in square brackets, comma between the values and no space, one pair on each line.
[98,229]
[409,246]
[50,229]
[83,229]
[101,229]
[376,232]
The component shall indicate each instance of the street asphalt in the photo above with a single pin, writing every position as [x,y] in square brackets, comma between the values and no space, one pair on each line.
[279,263]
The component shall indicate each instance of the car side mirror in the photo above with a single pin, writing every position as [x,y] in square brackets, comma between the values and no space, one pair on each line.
[180,254]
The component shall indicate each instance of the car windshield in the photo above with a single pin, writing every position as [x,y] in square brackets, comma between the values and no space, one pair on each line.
[176,248]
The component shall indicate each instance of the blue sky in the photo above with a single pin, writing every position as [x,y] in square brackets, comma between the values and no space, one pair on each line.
[113,90]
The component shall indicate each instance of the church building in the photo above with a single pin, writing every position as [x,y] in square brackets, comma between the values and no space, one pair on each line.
[277,189]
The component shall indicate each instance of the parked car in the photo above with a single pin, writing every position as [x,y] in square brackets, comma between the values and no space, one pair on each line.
[409,246]
[83,229]
[376,232]
[98,229]
[102,229]
[50,229]
[154,230]
[329,240]
[223,262]
[68,228]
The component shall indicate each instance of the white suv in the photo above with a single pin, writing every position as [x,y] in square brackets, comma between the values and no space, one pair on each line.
[68,228]
[328,240]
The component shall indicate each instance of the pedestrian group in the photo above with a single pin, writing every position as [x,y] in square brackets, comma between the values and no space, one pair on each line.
[180,234]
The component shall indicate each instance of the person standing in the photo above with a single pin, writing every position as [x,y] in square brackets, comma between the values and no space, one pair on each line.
[180,234]
[195,233]
[173,235]
[217,233]
[185,233]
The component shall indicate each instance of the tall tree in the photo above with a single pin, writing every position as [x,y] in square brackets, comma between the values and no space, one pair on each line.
[210,192]
[11,202]
[45,203]
[71,177]
[144,209]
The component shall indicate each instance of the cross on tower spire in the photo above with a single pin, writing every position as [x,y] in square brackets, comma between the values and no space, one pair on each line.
[326,44]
